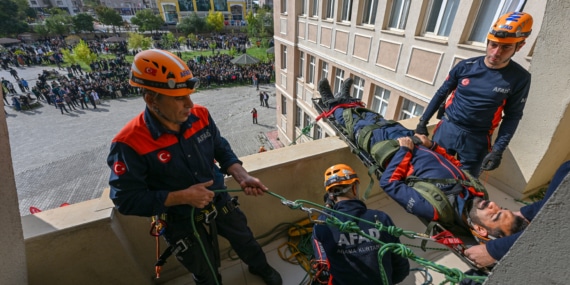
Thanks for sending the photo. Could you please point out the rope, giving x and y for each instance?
(452, 275)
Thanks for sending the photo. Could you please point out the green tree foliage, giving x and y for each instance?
(12, 18)
(215, 21)
(192, 24)
(167, 41)
(109, 16)
(80, 53)
(147, 20)
(138, 41)
(59, 24)
(83, 22)
(253, 26)
(260, 24)
(41, 30)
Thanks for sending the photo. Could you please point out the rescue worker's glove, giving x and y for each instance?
(492, 160)
(421, 128)
(329, 202)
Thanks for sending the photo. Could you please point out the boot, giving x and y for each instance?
(345, 88)
(324, 89)
(269, 275)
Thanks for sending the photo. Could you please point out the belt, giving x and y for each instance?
(209, 213)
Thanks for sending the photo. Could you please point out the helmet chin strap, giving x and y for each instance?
(160, 114)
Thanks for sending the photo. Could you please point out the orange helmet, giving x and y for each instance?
(339, 174)
(162, 72)
(511, 28)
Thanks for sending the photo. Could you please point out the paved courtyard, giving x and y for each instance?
(62, 158)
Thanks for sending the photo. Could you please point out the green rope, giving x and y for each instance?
(304, 132)
(452, 275)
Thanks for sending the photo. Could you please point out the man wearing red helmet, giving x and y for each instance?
(163, 165)
(353, 259)
(483, 92)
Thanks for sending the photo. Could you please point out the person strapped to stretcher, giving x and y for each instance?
(414, 171)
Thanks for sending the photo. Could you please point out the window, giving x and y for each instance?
(339, 78)
(346, 10)
(33, 2)
(318, 133)
(369, 12)
(301, 63)
(329, 13)
(399, 14)
(283, 57)
(307, 120)
(358, 85)
(441, 16)
(303, 7)
(489, 12)
(283, 105)
(311, 74)
(315, 7)
(298, 117)
(283, 6)
(410, 110)
(324, 70)
(380, 101)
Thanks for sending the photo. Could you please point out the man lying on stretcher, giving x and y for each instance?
(412, 170)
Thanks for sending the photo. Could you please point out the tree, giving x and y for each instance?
(147, 21)
(192, 24)
(83, 22)
(11, 22)
(41, 30)
(59, 24)
(215, 21)
(81, 53)
(253, 26)
(167, 40)
(138, 41)
(109, 16)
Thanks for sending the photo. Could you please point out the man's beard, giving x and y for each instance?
(519, 224)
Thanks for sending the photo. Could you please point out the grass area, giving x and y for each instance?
(259, 53)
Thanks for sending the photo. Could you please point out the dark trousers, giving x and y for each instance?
(232, 226)
(470, 148)
(62, 108)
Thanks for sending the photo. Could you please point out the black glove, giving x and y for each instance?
(421, 128)
(491, 160)
(329, 202)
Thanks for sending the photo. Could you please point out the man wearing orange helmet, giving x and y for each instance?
(163, 165)
(353, 259)
(484, 90)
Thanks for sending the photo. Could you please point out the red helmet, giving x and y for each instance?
(162, 72)
(339, 174)
(511, 28)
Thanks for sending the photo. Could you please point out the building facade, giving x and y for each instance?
(397, 51)
(174, 10)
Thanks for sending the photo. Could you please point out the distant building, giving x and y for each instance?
(174, 10)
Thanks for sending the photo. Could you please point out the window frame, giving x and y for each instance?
(441, 13)
(324, 69)
(283, 57)
(358, 87)
(346, 15)
(412, 112)
(283, 105)
(329, 12)
(315, 10)
(379, 99)
(301, 64)
(369, 14)
(339, 79)
(404, 11)
(283, 6)
(484, 26)
(311, 73)
(298, 116)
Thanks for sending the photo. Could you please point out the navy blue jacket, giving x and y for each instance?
(481, 97)
(353, 258)
(148, 161)
(420, 162)
(499, 247)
